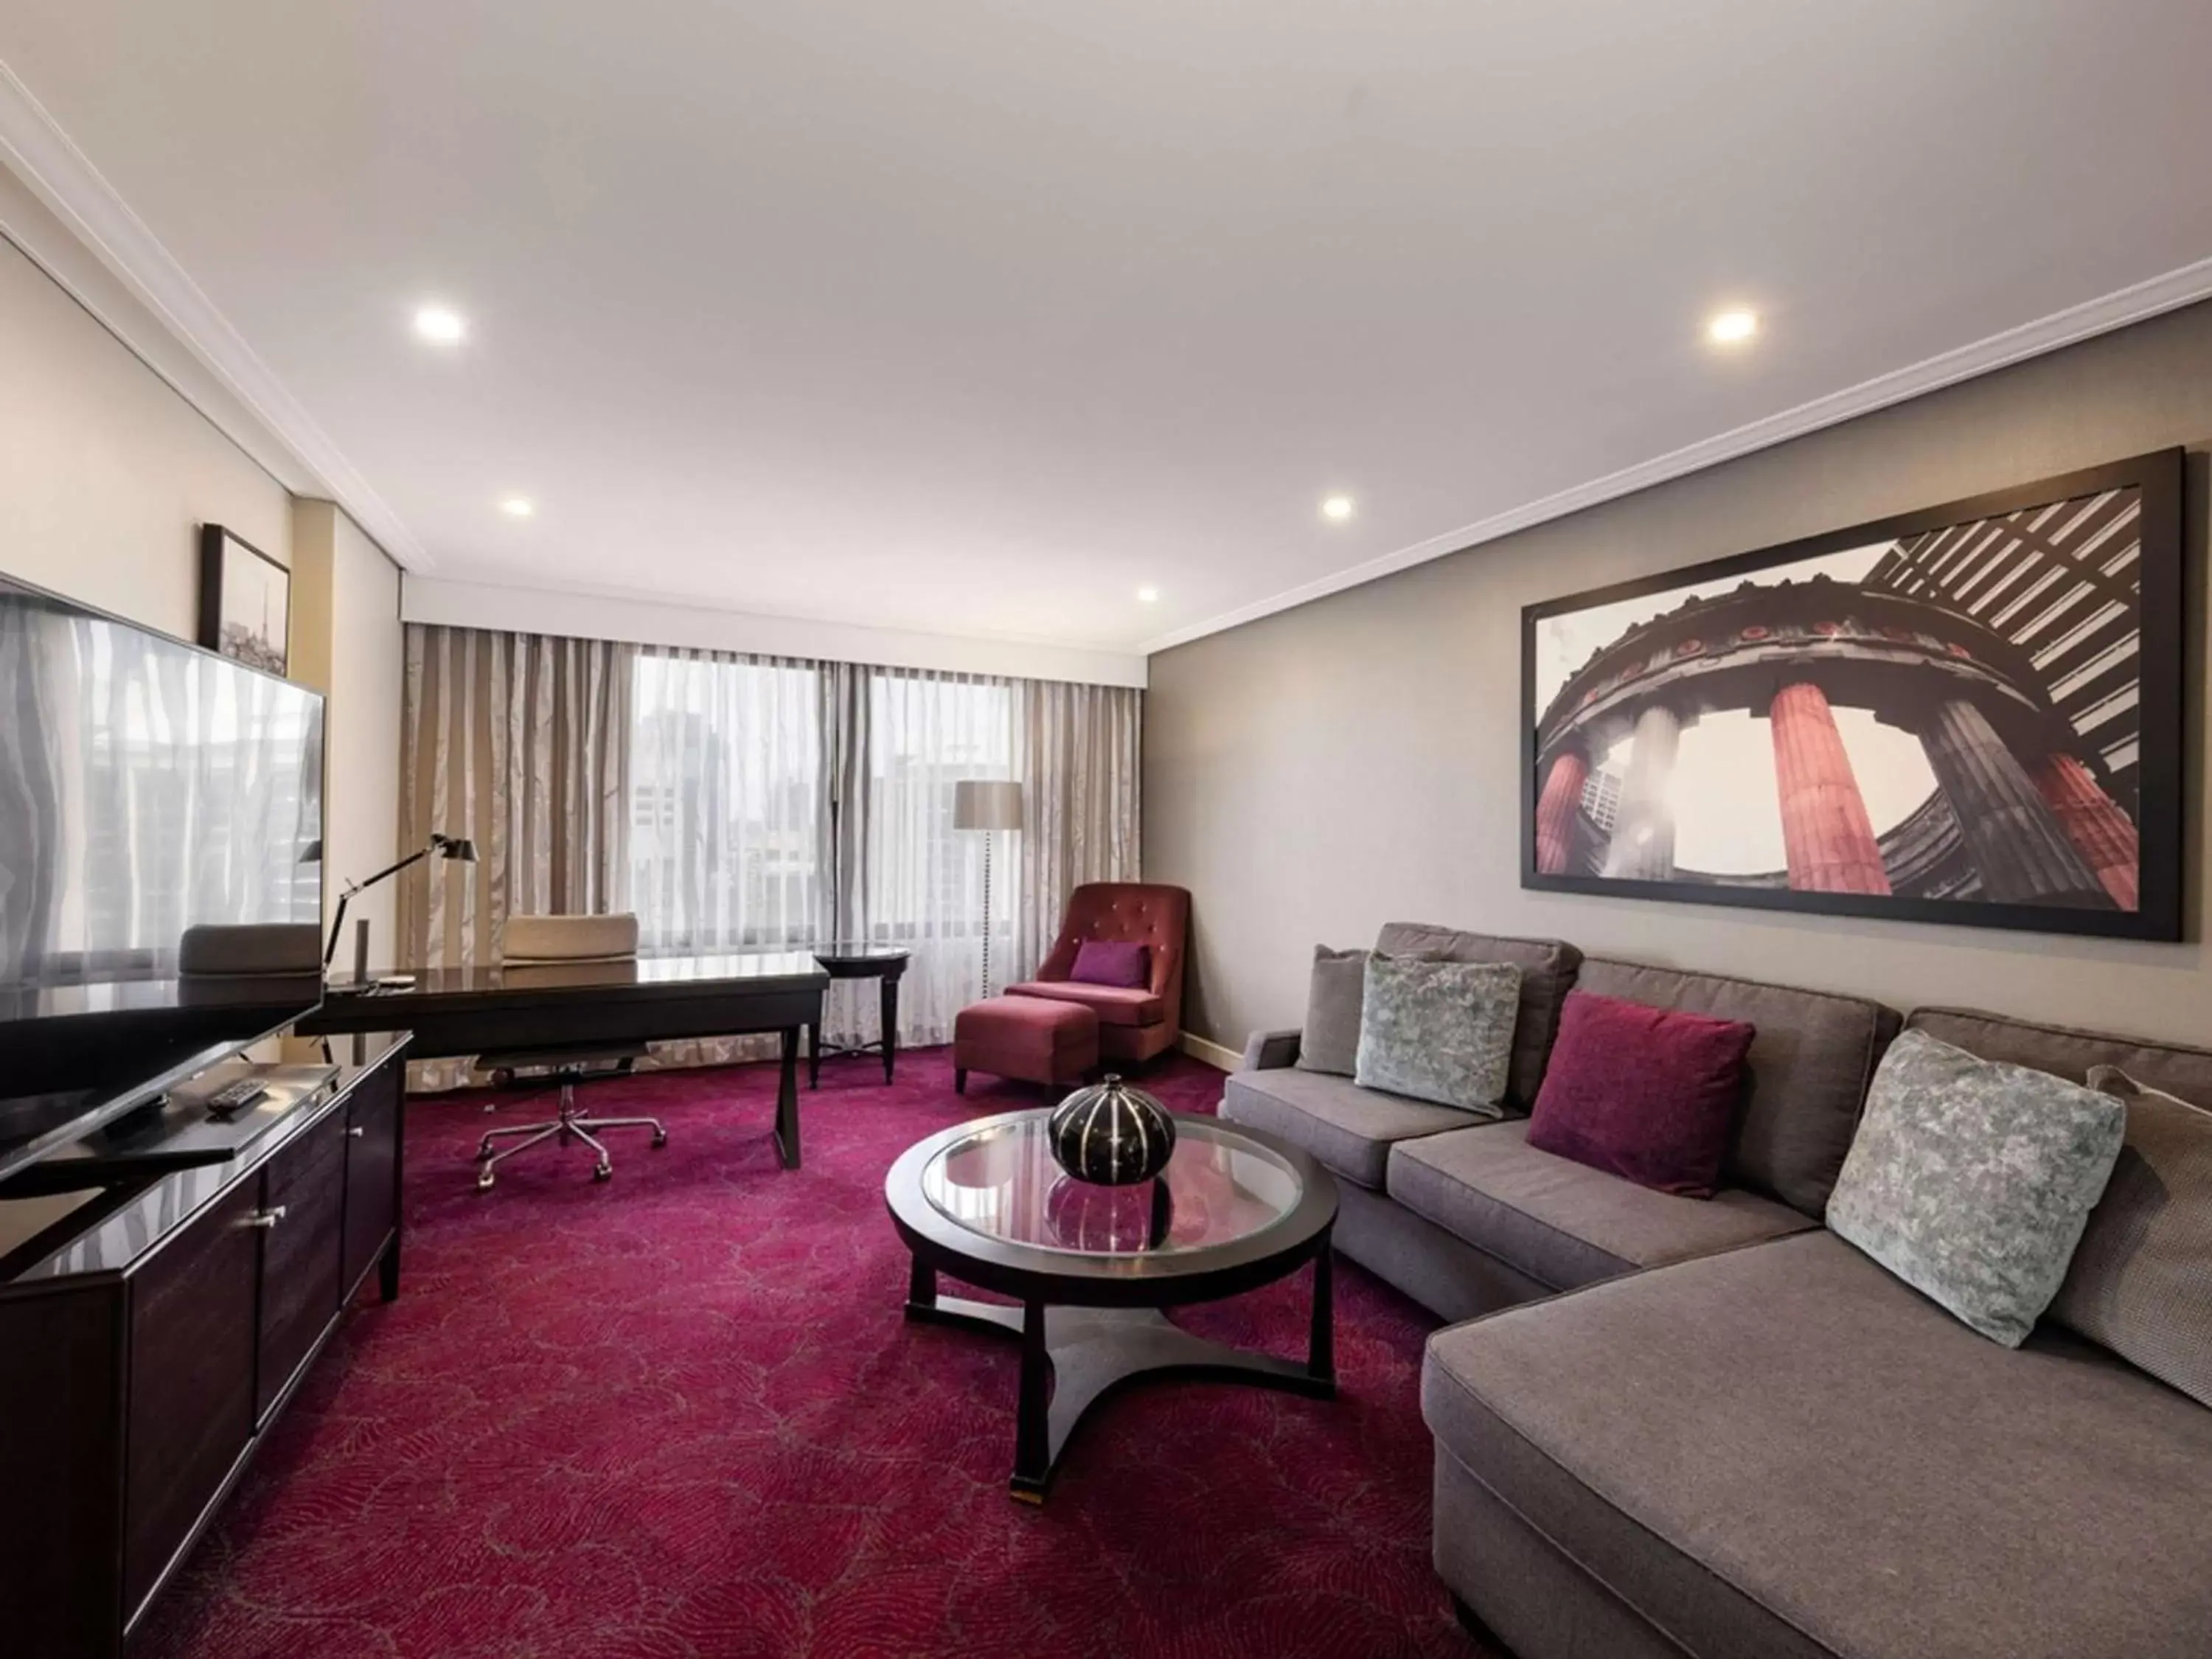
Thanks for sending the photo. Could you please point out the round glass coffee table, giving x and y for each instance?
(1094, 1268)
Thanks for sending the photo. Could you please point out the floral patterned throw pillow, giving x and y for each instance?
(1441, 1031)
(1971, 1180)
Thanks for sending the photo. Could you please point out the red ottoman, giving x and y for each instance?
(1027, 1037)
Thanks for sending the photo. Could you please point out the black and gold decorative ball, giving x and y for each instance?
(1112, 1134)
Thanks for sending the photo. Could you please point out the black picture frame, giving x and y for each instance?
(2158, 767)
(223, 554)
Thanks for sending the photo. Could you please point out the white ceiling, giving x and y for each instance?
(974, 316)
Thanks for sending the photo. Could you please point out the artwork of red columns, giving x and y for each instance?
(1825, 828)
(1555, 810)
(2103, 834)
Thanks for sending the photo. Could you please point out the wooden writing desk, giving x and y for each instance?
(472, 1011)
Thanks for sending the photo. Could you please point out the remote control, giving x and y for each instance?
(234, 1098)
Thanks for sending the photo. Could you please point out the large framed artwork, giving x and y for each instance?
(246, 601)
(1968, 714)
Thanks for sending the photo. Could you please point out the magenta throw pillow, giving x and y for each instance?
(1112, 962)
(1643, 1093)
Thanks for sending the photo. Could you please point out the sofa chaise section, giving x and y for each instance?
(1782, 1451)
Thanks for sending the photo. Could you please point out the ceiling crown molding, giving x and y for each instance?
(2112, 311)
(63, 181)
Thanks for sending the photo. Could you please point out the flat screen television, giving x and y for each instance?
(161, 865)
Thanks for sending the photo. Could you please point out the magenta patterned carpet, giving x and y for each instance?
(678, 1416)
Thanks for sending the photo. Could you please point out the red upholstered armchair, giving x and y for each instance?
(1135, 1022)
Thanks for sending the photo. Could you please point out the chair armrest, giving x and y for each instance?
(1270, 1051)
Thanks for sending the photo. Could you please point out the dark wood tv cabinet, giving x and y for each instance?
(151, 1332)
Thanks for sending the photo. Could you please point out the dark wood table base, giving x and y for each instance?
(786, 1102)
(1072, 1357)
(885, 966)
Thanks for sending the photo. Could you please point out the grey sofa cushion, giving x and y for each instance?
(1562, 1223)
(1330, 1040)
(1810, 1063)
(1349, 1128)
(2068, 1053)
(2140, 1281)
(1783, 1444)
(1970, 1180)
(1440, 1031)
(1547, 973)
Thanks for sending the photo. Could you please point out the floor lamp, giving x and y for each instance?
(989, 804)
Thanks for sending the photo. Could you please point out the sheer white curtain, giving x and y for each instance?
(783, 804)
(922, 880)
(1074, 748)
(728, 848)
(728, 826)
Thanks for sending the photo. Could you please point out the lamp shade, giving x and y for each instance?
(986, 803)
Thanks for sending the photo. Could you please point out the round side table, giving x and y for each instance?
(882, 964)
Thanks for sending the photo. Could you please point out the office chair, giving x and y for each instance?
(555, 949)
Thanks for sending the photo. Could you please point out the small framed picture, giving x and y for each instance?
(246, 601)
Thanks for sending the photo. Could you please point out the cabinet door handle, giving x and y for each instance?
(354, 1131)
(266, 1218)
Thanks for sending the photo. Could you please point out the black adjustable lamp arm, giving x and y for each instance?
(438, 844)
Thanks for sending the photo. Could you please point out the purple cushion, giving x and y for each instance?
(1643, 1093)
(1112, 962)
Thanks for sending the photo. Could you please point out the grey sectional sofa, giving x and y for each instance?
(1667, 1427)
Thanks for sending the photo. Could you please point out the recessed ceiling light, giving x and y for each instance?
(1337, 508)
(519, 507)
(439, 324)
(1148, 595)
(1732, 327)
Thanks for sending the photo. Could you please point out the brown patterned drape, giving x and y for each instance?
(521, 742)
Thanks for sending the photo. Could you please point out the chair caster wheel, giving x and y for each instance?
(660, 1137)
(501, 1078)
(484, 1182)
(603, 1172)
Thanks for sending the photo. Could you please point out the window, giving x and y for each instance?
(925, 735)
(727, 847)
(732, 845)
(923, 880)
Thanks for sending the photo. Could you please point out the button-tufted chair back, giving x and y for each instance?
(1131, 912)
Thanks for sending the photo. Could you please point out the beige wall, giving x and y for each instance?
(106, 475)
(347, 643)
(1313, 775)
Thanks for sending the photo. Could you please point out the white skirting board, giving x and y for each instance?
(1212, 1053)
